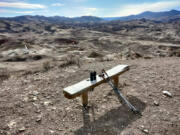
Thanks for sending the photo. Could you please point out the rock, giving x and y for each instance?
(167, 93)
(12, 124)
(22, 129)
(38, 111)
(142, 126)
(156, 103)
(39, 118)
(51, 131)
(25, 99)
(34, 98)
(47, 103)
(67, 108)
(35, 93)
(53, 108)
(25, 81)
(145, 131)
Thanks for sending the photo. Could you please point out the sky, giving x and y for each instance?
(75, 8)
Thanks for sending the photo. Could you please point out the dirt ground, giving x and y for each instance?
(32, 103)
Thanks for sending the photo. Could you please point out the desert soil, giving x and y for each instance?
(32, 103)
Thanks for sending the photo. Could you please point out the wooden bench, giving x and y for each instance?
(82, 88)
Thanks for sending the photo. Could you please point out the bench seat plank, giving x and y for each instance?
(86, 84)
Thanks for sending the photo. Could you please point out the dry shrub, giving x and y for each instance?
(15, 59)
(4, 74)
(95, 55)
(109, 57)
(71, 60)
(66, 41)
(46, 66)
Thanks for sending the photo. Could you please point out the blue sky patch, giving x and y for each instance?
(74, 8)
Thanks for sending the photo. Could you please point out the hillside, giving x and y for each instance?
(39, 56)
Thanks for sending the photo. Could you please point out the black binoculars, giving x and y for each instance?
(93, 75)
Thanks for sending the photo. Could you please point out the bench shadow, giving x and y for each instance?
(113, 122)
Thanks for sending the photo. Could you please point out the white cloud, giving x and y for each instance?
(4, 11)
(21, 5)
(78, 11)
(78, 0)
(16, 12)
(57, 4)
(9, 0)
(82, 11)
(89, 11)
(23, 12)
(139, 8)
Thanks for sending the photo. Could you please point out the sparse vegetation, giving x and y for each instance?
(4, 74)
(70, 60)
(59, 54)
(46, 66)
(95, 55)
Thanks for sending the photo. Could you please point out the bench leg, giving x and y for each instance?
(116, 80)
(85, 98)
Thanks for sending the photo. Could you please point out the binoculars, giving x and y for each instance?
(93, 75)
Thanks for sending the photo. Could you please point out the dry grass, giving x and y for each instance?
(71, 60)
(46, 66)
(4, 74)
(95, 55)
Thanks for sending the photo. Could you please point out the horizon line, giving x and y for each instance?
(91, 15)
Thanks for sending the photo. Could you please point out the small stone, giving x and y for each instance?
(167, 93)
(48, 97)
(35, 93)
(46, 103)
(22, 129)
(145, 131)
(34, 98)
(156, 103)
(12, 124)
(39, 118)
(38, 111)
(51, 131)
(142, 126)
(53, 108)
(67, 108)
(25, 81)
(25, 99)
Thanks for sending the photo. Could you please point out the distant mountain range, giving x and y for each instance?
(54, 19)
(158, 16)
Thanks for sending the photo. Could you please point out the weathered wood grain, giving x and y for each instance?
(80, 87)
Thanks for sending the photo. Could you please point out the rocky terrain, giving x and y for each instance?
(38, 58)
